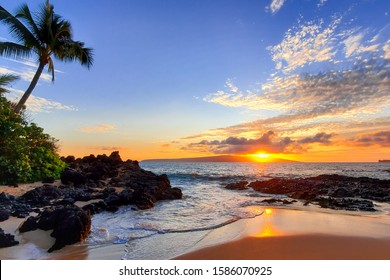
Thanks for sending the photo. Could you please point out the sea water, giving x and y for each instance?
(172, 227)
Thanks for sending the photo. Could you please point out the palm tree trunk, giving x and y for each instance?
(31, 87)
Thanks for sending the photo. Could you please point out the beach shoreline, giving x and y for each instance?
(277, 234)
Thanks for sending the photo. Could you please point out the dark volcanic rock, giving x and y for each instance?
(70, 224)
(238, 186)
(7, 240)
(41, 196)
(28, 225)
(70, 175)
(346, 204)
(108, 179)
(330, 191)
(4, 215)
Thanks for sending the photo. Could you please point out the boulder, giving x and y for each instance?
(7, 240)
(42, 195)
(70, 224)
(4, 215)
(69, 175)
(242, 185)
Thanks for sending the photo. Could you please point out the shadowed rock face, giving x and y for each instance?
(7, 240)
(108, 179)
(330, 191)
(70, 225)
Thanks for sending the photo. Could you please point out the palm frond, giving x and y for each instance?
(14, 50)
(24, 13)
(5, 80)
(44, 19)
(75, 51)
(16, 27)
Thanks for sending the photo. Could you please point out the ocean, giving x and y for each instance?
(173, 227)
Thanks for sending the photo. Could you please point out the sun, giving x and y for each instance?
(261, 157)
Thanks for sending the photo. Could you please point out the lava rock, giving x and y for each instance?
(4, 215)
(70, 224)
(69, 175)
(7, 240)
(42, 195)
(242, 185)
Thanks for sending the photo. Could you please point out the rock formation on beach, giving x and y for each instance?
(106, 181)
(328, 191)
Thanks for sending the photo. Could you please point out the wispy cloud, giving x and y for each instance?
(306, 43)
(25, 74)
(37, 104)
(321, 3)
(386, 50)
(100, 128)
(365, 87)
(355, 46)
(275, 5)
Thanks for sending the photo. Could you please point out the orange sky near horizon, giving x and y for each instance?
(143, 152)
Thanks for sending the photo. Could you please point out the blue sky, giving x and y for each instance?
(185, 78)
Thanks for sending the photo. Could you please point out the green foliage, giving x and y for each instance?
(27, 154)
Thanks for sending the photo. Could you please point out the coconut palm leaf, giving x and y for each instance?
(17, 29)
(14, 50)
(5, 80)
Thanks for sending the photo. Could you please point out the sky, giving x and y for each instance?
(307, 80)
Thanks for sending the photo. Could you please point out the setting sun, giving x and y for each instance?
(261, 157)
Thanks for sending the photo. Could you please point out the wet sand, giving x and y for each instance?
(282, 234)
(296, 247)
(279, 234)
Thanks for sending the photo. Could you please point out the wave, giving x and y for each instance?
(208, 177)
(173, 231)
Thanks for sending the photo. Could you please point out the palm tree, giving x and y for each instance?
(44, 34)
(5, 80)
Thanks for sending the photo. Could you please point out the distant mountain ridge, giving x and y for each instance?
(224, 158)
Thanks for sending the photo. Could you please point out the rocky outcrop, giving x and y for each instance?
(7, 240)
(242, 185)
(330, 191)
(107, 181)
(70, 224)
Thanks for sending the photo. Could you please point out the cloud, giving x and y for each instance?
(26, 74)
(37, 104)
(275, 5)
(322, 137)
(306, 43)
(321, 3)
(380, 138)
(100, 128)
(354, 45)
(386, 50)
(362, 89)
(268, 142)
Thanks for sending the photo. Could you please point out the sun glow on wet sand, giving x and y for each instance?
(267, 228)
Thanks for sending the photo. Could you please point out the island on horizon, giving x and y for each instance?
(224, 158)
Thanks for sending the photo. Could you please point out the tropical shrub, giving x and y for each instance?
(27, 154)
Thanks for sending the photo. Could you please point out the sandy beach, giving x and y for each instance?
(282, 234)
(277, 234)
